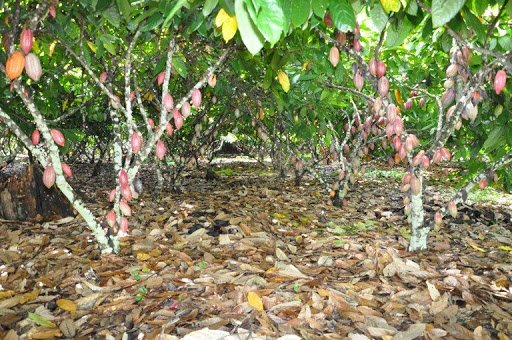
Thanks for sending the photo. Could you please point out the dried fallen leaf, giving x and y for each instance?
(67, 305)
(68, 328)
(255, 301)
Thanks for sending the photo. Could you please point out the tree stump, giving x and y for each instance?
(23, 195)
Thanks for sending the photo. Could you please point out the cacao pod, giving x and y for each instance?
(396, 142)
(328, 19)
(160, 78)
(49, 176)
(169, 129)
(196, 98)
(425, 162)
(445, 154)
(126, 192)
(136, 142)
(391, 161)
(451, 71)
(33, 66)
(438, 218)
(422, 102)
(334, 56)
(26, 40)
(58, 137)
(132, 95)
(112, 195)
(66, 170)
(407, 178)
(372, 67)
(52, 11)
(381, 69)
(160, 150)
(178, 119)
(391, 113)
(103, 77)
(185, 109)
(123, 177)
(125, 208)
(341, 37)
(357, 45)
(36, 137)
(466, 54)
(448, 97)
(482, 184)
(452, 209)
(151, 123)
(437, 157)
(111, 218)
(168, 102)
(398, 126)
(124, 224)
(358, 81)
(383, 86)
(212, 80)
(500, 81)
(390, 129)
(415, 185)
(14, 65)
(137, 185)
(402, 152)
(449, 83)
(408, 104)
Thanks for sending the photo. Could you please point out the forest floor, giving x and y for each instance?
(252, 255)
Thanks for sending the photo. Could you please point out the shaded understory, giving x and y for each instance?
(321, 271)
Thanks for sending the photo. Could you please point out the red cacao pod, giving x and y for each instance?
(103, 76)
(452, 209)
(334, 56)
(407, 178)
(58, 137)
(408, 104)
(422, 102)
(341, 37)
(160, 78)
(328, 19)
(126, 192)
(111, 218)
(391, 113)
(357, 45)
(66, 170)
(372, 67)
(196, 98)
(14, 65)
(52, 11)
(438, 218)
(49, 176)
(415, 185)
(381, 69)
(132, 95)
(160, 150)
(151, 123)
(185, 109)
(445, 154)
(33, 66)
(36, 137)
(402, 152)
(169, 129)
(168, 102)
(500, 81)
(136, 142)
(449, 83)
(26, 40)
(124, 224)
(112, 195)
(357, 31)
(396, 142)
(123, 177)
(482, 184)
(425, 162)
(212, 80)
(448, 97)
(383, 86)
(125, 208)
(358, 81)
(178, 119)
(398, 126)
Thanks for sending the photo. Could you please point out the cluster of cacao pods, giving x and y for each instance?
(18, 60)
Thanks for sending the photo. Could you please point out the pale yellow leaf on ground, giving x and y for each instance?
(255, 301)
(67, 305)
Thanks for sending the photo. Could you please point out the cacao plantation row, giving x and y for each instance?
(324, 90)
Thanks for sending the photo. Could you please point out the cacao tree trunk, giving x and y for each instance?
(419, 231)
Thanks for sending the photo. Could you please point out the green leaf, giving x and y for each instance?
(300, 12)
(154, 21)
(397, 33)
(479, 6)
(209, 6)
(112, 16)
(342, 15)
(268, 15)
(379, 17)
(124, 9)
(319, 7)
(472, 21)
(176, 8)
(412, 8)
(251, 37)
(180, 66)
(495, 138)
(444, 10)
(38, 319)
